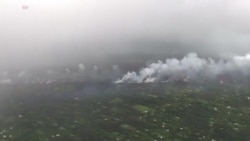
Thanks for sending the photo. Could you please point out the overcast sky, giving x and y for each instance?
(64, 32)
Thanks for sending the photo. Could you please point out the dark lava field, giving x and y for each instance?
(125, 112)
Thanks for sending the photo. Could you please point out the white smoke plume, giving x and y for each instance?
(6, 81)
(81, 67)
(21, 74)
(190, 68)
(67, 70)
(95, 68)
(79, 73)
(5, 73)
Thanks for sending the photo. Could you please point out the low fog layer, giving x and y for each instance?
(59, 35)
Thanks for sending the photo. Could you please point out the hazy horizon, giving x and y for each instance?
(128, 34)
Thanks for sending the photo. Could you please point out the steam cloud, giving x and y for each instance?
(191, 68)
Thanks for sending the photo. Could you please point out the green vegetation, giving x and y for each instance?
(142, 109)
(128, 112)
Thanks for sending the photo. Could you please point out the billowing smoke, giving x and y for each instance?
(191, 68)
(77, 73)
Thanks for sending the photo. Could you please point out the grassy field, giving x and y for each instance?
(125, 112)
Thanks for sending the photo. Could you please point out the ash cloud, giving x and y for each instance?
(191, 68)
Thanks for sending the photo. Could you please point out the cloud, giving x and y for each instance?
(64, 33)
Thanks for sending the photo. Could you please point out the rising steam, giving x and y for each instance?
(190, 68)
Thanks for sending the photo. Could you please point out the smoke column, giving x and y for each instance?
(190, 68)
